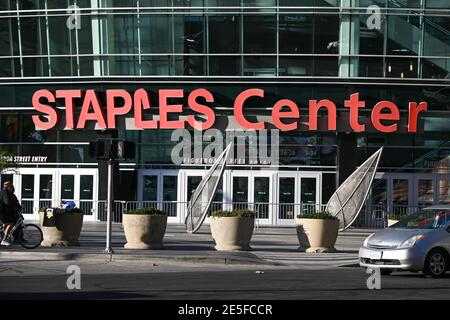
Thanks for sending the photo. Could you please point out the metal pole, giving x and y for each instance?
(109, 208)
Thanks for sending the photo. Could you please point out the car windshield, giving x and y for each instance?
(424, 219)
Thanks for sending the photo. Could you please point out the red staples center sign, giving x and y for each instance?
(285, 115)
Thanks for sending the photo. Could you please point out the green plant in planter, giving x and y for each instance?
(146, 211)
(396, 216)
(317, 215)
(234, 213)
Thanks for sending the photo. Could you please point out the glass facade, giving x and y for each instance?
(393, 50)
(208, 38)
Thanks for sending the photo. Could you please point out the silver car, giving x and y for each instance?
(418, 242)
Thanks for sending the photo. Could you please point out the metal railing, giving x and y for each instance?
(371, 216)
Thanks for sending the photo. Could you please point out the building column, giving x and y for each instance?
(346, 161)
(348, 40)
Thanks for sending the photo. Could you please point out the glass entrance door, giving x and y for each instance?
(400, 196)
(240, 193)
(308, 194)
(261, 199)
(159, 189)
(150, 188)
(86, 192)
(46, 192)
(444, 190)
(169, 195)
(286, 198)
(425, 190)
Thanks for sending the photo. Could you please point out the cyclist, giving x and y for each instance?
(9, 210)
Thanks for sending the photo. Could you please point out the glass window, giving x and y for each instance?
(189, 33)
(122, 65)
(85, 40)
(10, 127)
(437, 36)
(296, 34)
(304, 66)
(9, 37)
(193, 182)
(261, 196)
(437, 4)
(400, 197)
(326, 33)
(45, 186)
(260, 66)
(371, 67)
(308, 190)
(259, 3)
(33, 36)
(86, 187)
(435, 68)
(240, 189)
(63, 66)
(379, 192)
(87, 65)
(300, 3)
(155, 65)
(224, 3)
(326, 66)
(405, 4)
(27, 186)
(190, 65)
(61, 39)
(224, 66)
(286, 198)
(401, 67)
(444, 191)
(425, 192)
(403, 34)
(67, 187)
(224, 35)
(35, 67)
(155, 33)
(150, 188)
(170, 195)
(260, 34)
(170, 188)
(10, 68)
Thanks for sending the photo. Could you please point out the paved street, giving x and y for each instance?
(140, 280)
(189, 268)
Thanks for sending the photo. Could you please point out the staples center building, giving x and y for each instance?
(327, 82)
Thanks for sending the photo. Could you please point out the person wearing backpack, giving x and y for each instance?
(9, 210)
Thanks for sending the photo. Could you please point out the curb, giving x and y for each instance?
(48, 256)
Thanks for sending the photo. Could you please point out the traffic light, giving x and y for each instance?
(123, 150)
(97, 149)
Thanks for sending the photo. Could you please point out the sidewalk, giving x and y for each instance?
(271, 247)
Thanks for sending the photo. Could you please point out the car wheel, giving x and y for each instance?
(386, 272)
(436, 263)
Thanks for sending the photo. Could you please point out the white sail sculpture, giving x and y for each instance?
(348, 200)
(203, 196)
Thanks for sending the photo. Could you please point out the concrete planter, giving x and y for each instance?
(317, 235)
(392, 222)
(64, 230)
(144, 231)
(232, 233)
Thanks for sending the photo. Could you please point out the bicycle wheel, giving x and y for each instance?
(31, 236)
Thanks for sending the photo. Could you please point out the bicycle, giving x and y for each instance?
(29, 235)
